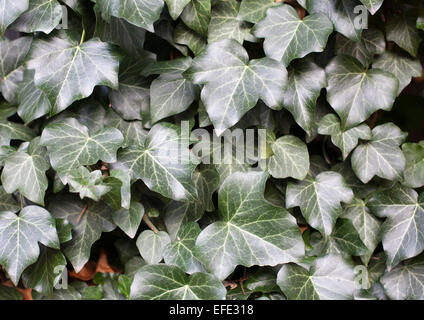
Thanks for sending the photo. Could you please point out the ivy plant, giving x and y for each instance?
(211, 149)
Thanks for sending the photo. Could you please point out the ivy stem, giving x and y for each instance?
(82, 37)
(22, 200)
(149, 223)
(324, 151)
(82, 213)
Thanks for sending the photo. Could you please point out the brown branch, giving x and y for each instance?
(149, 223)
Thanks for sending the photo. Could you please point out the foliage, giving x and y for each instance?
(110, 114)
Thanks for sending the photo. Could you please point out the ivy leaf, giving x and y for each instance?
(372, 5)
(133, 131)
(340, 12)
(243, 237)
(128, 220)
(402, 30)
(142, 13)
(88, 221)
(225, 23)
(372, 43)
(12, 55)
(402, 66)
(206, 181)
(71, 145)
(33, 102)
(42, 15)
(20, 236)
(11, 9)
(224, 68)
(329, 278)
(163, 282)
(191, 39)
(319, 199)
(87, 184)
(290, 158)
(9, 293)
(152, 245)
(402, 233)
(46, 272)
(282, 29)
(367, 226)
(14, 131)
(197, 15)
(171, 93)
(406, 281)
(305, 81)
(351, 90)
(8, 202)
(345, 140)
(68, 71)
(255, 10)
(380, 156)
(132, 100)
(120, 194)
(25, 170)
(156, 162)
(181, 253)
(176, 7)
(413, 175)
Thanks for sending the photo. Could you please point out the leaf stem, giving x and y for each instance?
(82, 37)
(82, 213)
(22, 200)
(149, 223)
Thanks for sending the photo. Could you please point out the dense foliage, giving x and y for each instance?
(105, 193)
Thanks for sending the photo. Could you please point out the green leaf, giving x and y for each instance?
(345, 140)
(129, 220)
(42, 15)
(319, 199)
(329, 278)
(225, 23)
(381, 156)
(191, 39)
(120, 194)
(255, 10)
(290, 158)
(152, 245)
(176, 7)
(242, 237)
(372, 43)
(142, 13)
(181, 253)
(305, 81)
(372, 5)
(132, 100)
(11, 10)
(402, 66)
(20, 236)
(352, 89)
(366, 224)
(163, 282)
(9, 293)
(12, 55)
(406, 281)
(71, 145)
(68, 71)
(25, 171)
(402, 233)
(171, 93)
(33, 102)
(87, 184)
(206, 180)
(413, 175)
(8, 202)
(14, 131)
(197, 15)
(287, 37)
(46, 272)
(340, 12)
(224, 68)
(88, 221)
(162, 162)
(402, 30)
